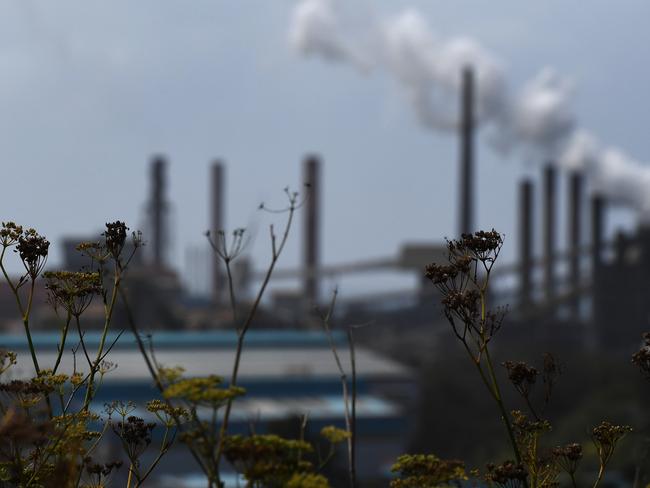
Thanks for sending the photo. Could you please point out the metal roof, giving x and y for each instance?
(256, 363)
(180, 339)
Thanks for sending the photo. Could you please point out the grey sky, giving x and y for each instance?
(90, 90)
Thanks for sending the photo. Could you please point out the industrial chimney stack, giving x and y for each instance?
(576, 183)
(217, 224)
(466, 218)
(158, 209)
(549, 205)
(311, 228)
(597, 232)
(525, 241)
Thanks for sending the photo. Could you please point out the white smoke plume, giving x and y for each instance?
(428, 70)
(541, 118)
(537, 122)
(316, 29)
(612, 173)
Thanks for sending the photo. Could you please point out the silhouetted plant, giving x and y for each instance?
(50, 433)
(463, 283)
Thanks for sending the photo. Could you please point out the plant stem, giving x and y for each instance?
(502, 408)
(353, 419)
(155, 376)
(241, 332)
(601, 471)
(32, 350)
(108, 310)
(495, 384)
(64, 335)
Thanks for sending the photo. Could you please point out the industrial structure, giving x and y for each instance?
(287, 374)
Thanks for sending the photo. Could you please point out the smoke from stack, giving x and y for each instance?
(537, 122)
(613, 174)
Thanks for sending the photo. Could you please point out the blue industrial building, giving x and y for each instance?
(286, 373)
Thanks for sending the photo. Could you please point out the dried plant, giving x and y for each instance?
(463, 283)
(51, 432)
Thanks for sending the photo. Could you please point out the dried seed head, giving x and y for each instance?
(33, 249)
(508, 474)
(521, 375)
(568, 457)
(72, 290)
(115, 236)
(10, 233)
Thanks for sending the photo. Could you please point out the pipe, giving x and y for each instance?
(466, 220)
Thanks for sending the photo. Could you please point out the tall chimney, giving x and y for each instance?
(466, 206)
(597, 232)
(311, 228)
(217, 224)
(574, 236)
(158, 209)
(550, 205)
(525, 241)
(597, 285)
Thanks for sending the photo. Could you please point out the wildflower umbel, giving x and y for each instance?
(522, 376)
(10, 233)
(98, 472)
(115, 236)
(605, 437)
(267, 460)
(426, 471)
(135, 435)
(334, 434)
(33, 248)
(73, 291)
(203, 391)
(507, 475)
(568, 457)
(463, 282)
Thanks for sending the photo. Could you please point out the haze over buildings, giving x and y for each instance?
(102, 88)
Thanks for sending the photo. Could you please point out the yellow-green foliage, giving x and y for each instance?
(268, 460)
(308, 480)
(203, 391)
(334, 434)
(426, 471)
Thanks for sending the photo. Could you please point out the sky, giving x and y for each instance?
(90, 91)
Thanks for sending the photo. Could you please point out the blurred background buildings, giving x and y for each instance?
(576, 284)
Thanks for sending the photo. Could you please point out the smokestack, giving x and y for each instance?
(466, 223)
(575, 236)
(549, 230)
(525, 241)
(158, 209)
(217, 224)
(311, 228)
(597, 232)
